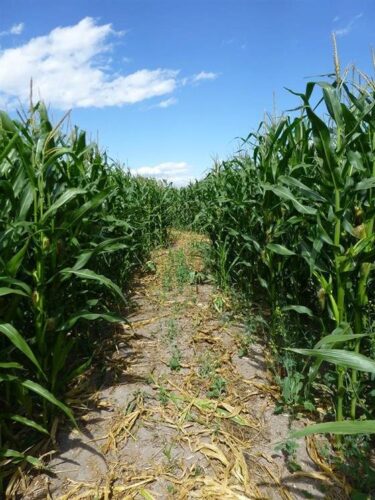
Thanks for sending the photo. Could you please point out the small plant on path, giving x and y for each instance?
(217, 388)
(175, 360)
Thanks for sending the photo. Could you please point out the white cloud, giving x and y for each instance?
(16, 29)
(199, 77)
(71, 67)
(167, 102)
(68, 71)
(177, 172)
(348, 28)
(335, 19)
(204, 75)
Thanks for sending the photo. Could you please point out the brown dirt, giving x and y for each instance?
(152, 432)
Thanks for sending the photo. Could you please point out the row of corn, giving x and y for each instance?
(73, 227)
(291, 220)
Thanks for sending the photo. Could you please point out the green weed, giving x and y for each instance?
(175, 360)
(217, 388)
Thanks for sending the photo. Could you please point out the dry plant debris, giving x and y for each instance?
(205, 430)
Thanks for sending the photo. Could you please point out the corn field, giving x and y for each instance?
(291, 220)
(73, 227)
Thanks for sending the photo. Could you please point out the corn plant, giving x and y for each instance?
(72, 229)
(293, 214)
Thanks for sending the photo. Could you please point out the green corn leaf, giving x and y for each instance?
(365, 244)
(347, 427)
(26, 202)
(11, 365)
(87, 274)
(48, 396)
(8, 378)
(11, 291)
(339, 339)
(52, 155)
(13, 265)
(89, 316)
(279, 249)
(79, 370)
(355, 160)
(20, 457)
(12, 281)
(365, 184)
(322, 136)
(299, 310)
(28, 423)
(65, 198)
(333, 103)
(340, 357)
(90, 205)
(8, 148)
(110, 245)
(7, 123)
(284, 193)
(308, 192)
(18, 341)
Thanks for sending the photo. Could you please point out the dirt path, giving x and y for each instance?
(178, 414)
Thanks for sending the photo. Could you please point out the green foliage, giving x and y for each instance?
(172, 330)
(73, 227)
(175, 360)
(289, 449)
(291, 221)
(177, 273)
(355, 463)
(291, 385)
(207, 365)
(164, 395)
(255, 325)
(217, 388)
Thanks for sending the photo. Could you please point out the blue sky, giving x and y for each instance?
(168, 85)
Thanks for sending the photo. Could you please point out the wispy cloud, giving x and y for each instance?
(204, 75)
(16, 29)
(179, 173)
(166, 103)
(199, 78)
(345, 30)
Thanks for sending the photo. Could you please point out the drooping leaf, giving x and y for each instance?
(89, 316)
(279, 249)
(286, 194)
(28, 423)
(299, 310)
(44, 393)
(88, 274)
(18, 341)
(65, 198)
(21, 457)
(341, 357)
